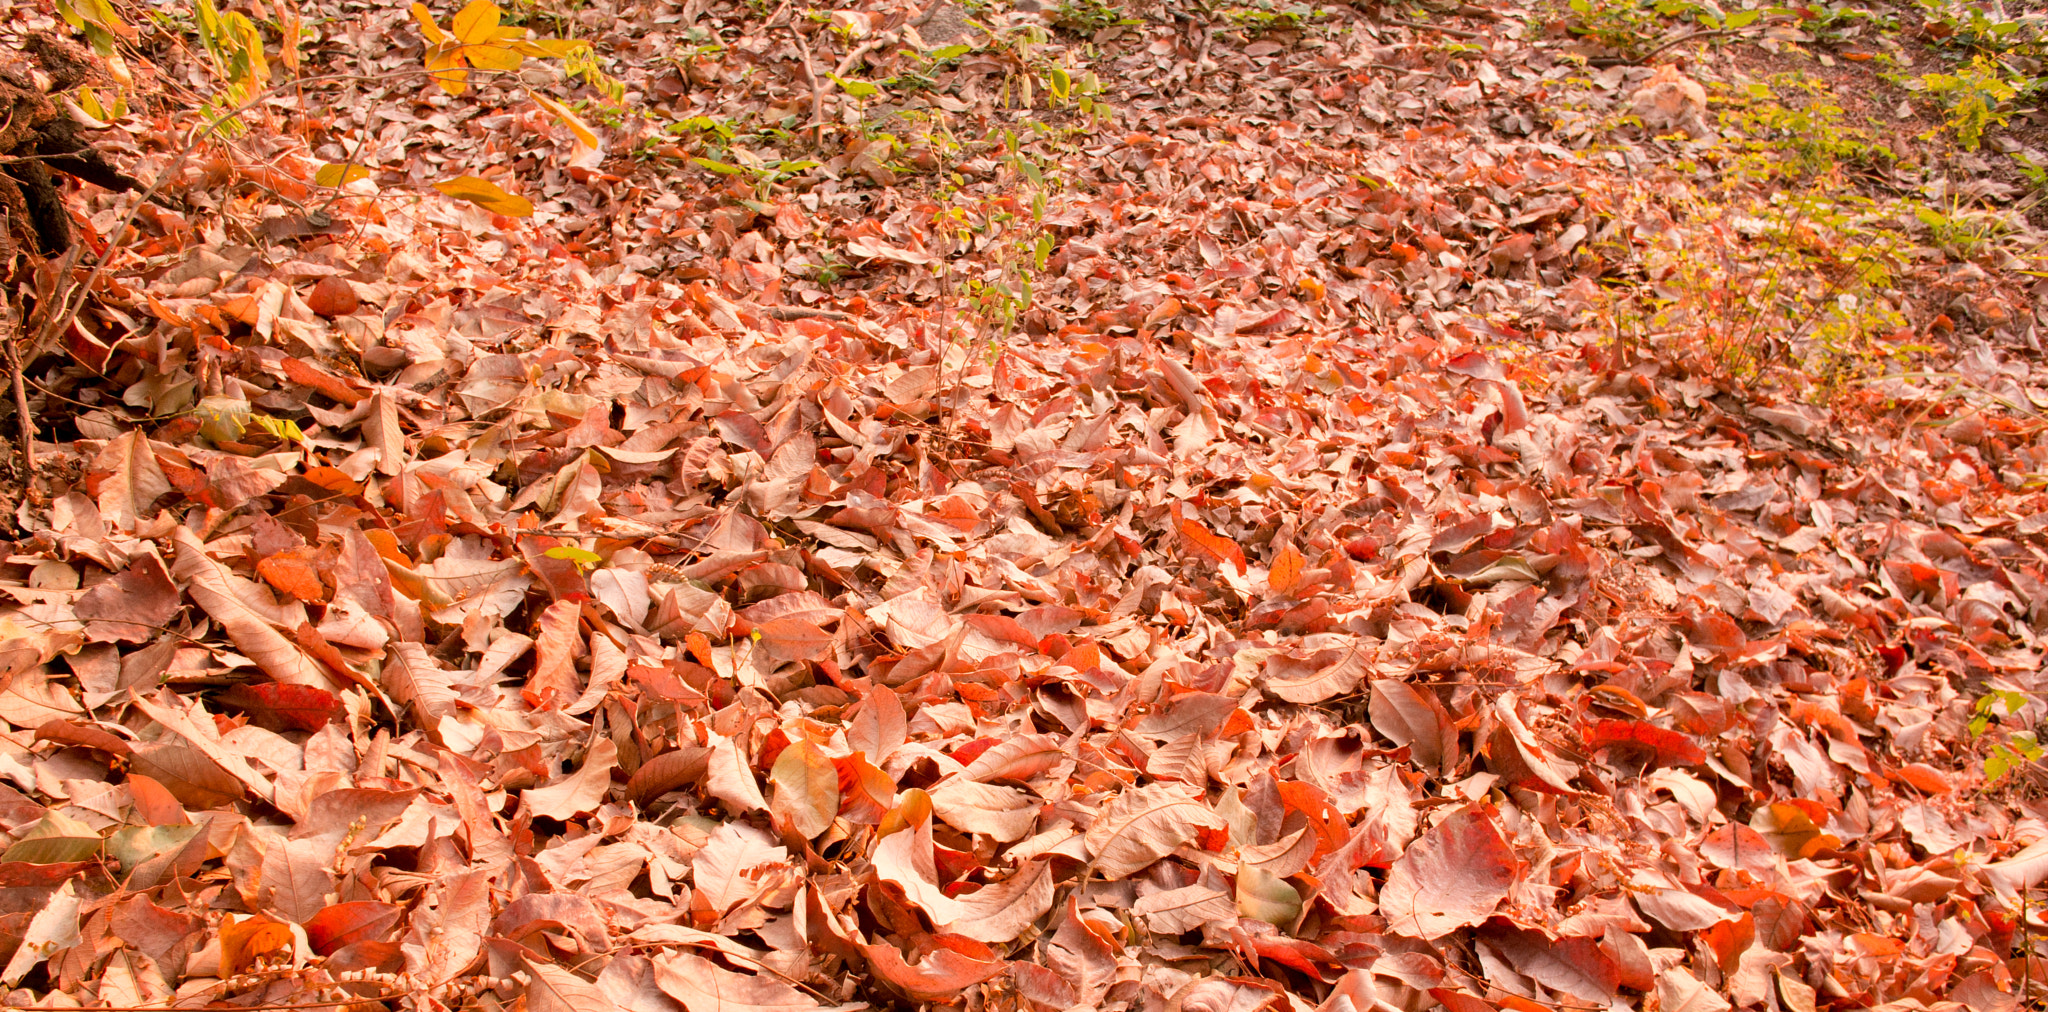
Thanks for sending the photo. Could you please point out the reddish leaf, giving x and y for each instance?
(282, 705)
(1207, 543)
(292, 573)
(793, 639)
(348, 923)
(1655, 745)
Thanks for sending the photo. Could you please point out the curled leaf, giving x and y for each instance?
(487, 195)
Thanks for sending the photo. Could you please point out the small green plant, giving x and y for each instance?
(764, 174)
(1086, 17)
(2018, 747)
(1838, 22)
(1795, 289)
(1265, 17)
(1633, 27)
(1085, 93)
(1794, 125)
(1977, 27)
(2034, 172)
(1976, 98)
(1628, 27)
(1960, 231)
(830, 269)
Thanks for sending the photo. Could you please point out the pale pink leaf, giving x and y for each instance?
(553, 989)
(222, 595)
(1143, 824)
(580, 792)
(134, 480)
(704, 986)
(730, 777)
(1454, 876)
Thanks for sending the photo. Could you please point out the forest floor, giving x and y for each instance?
(1031, 506)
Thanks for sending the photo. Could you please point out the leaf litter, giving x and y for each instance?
(1301, 603)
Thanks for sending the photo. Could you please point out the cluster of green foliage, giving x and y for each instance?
(1634, 28)
(1266, 17)
(1976, 97)
(2015, 747)
(1087, 17)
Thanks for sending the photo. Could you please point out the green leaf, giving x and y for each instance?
(331, 174)
(582, 557)
(854, 86)
(221, 418)
(55, 839)
(719, 167)
(1741, 19)
(944, 53)
(486, 194)
(136, 844)
(1267, 897)
(90, 101)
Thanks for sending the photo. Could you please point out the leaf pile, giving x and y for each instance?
(1304, 603)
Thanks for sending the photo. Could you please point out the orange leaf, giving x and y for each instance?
(1924, 778)
(1208, 543)
(865, 791)
(914, 807)
(939, 977)
(255, 938)
(1288, 565)
(283, 704)
(700, 648)
(291, 573)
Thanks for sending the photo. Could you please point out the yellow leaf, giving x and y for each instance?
(477, 22)
(584, 135)
(486, 194)
(493, 57)
(448, 71)
(339, 175)
(428, 28)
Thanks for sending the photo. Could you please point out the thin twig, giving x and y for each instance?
(1456, 33)
(28, 425)
(817, 124)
